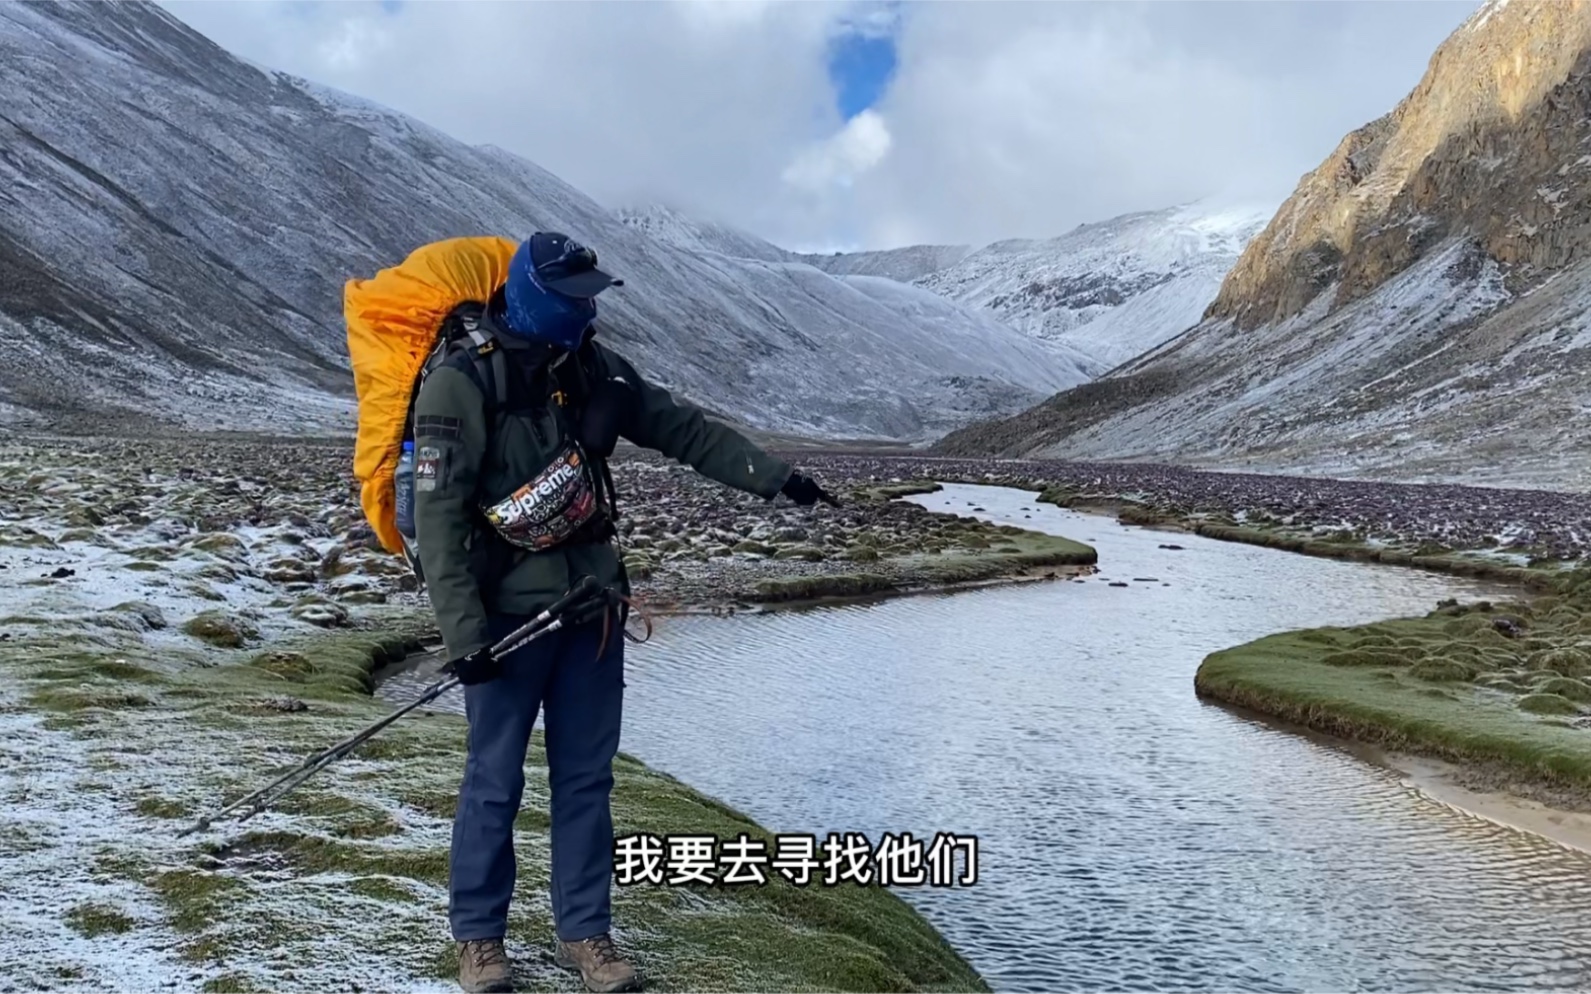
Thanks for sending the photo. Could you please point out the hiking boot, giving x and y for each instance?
(602, 968)
(484, 967)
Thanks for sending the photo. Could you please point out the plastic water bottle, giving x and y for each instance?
(403, 482)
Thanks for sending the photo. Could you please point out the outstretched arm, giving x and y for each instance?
(682, 432)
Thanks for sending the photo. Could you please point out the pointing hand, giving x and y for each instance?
(805, 491)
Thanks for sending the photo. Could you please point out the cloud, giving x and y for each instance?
(358, 40)
(837, 161)
(1002, 119)
(1020, 119)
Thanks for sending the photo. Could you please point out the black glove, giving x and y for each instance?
(477, 667)
(804, 490)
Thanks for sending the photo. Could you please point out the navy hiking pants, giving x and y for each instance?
(582, 697)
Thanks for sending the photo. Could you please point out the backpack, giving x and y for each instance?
(403, 323)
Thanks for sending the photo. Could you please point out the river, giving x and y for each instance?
(1130, 836)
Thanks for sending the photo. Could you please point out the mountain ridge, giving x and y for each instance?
(1417, 309)
(183, 221)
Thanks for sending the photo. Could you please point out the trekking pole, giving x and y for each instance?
(548, 621)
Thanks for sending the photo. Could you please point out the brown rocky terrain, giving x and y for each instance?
(1417, 309)
(228, 538)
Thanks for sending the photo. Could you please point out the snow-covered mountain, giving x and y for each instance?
(907, 264)
(1419, 308)
(177, 224)
(1112, 289)
(1098, 295)
(694, 234)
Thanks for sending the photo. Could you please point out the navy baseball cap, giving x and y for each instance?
(564, 265)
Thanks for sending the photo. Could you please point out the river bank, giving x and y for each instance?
(1502, 690)
(177, 630)
(1132, 837)
(184, 509)
(1523, 537)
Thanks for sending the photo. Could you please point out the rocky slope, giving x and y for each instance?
(176, 226)
(1417, 309)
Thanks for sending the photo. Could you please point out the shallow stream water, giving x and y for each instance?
(1130, 836)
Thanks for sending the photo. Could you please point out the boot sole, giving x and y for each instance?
(563, 963)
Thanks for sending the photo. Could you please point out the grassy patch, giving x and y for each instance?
(893, 491)
(222, 630)
(353, 865)
(800, 588)
(1338, 546)
(92, 920)
(1448, 684)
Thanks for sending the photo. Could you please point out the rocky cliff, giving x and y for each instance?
(1417, 309)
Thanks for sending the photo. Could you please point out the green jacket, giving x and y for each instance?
(467, 466)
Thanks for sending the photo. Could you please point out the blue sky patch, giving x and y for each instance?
(862, 61)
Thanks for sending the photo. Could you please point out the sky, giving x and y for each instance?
(823, 125)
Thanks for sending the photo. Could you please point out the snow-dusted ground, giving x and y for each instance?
(120, 723)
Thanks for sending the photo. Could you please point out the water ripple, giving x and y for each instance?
(1131, 837)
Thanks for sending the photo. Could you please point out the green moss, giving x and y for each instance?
(384, 889)
(21, 536)
(1547, 704)
(283, 663)
(1294, 676)
(160, 807)
(1565, 661)
(277, 890)
(79, 699)
(120, 669)
(1364, 657)
(194, 899)
(1574, 690)
(1443, 671)
(800, 588)
(222, 630)
(92, 920)
(892, 491)
(1138, 515)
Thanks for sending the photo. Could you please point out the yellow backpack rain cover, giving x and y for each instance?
(393, 320)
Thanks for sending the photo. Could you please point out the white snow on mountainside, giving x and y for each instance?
(907, 264)
(1099, 295)
(1113, 289)
(177, 225)
(696, 235)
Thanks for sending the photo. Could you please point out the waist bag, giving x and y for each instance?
(550, 508)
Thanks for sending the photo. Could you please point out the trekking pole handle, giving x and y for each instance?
(587, 587)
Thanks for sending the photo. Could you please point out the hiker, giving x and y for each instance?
(512, 506)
